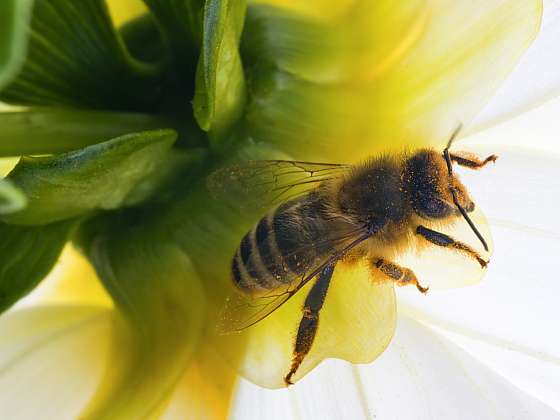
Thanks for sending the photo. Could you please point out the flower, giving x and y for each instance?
(124, 174)
(485, 351)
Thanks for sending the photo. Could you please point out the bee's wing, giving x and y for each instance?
(260, 184)
(243, 310)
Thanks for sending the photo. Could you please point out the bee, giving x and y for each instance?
(332, 213)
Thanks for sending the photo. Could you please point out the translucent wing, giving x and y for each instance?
(244, 310)
(261, 184)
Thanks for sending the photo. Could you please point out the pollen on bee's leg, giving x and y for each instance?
(410, 278)
(401, 275)
(305, 336)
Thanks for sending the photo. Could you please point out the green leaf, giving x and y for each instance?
(220, 92)
(97, 177)
(27, 254)
(76, 58)
(37, 131)
(11, 198)
(180, 21)
(14, 18)
(159, 295)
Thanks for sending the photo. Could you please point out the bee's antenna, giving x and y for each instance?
(449, 143)
(468, 219)
(455, 200)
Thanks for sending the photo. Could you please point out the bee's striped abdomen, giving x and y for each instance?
(282, 246)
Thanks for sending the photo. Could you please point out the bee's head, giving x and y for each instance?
(434, 191)
(429, 185)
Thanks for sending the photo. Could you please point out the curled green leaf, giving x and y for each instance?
(75, 57)
(27, 254)
(180, 21)
(96, 177)
(14, 19)
(220, 92)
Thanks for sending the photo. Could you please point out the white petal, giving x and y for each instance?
(536, 77)
(51, 359)
(510, 320)
(532, 372)
(536, 129)
(426, 377)
(420, 376)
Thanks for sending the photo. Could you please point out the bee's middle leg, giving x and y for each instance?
(446, 241)
(310, 320)
(401, 275)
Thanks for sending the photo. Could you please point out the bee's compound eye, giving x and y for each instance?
(432, 207)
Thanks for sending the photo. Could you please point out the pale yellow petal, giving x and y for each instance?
(356, 324)
(443, 268)
(72, 281)
(6, 165)
(357, 47)
(443, 78)
(206, 389)
(323, 9)
(51, 360)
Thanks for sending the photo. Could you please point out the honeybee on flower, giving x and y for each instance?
(124, 124)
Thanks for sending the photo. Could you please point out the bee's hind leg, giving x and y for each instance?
(401, 275)
(310, 320)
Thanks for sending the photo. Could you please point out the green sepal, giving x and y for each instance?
(159, 296)
(38, 131)
(11, 198)
(98, 177)
(175, 174)
(76, 58)
(14, 19)
(220, 92)
(27, 254)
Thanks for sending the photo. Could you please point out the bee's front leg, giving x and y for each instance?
(446, 241)
(401, 275)
(471, 161)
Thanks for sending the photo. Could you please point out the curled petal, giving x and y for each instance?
(206, 389)
(355, 48)
(447, 74)
(534, 80)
